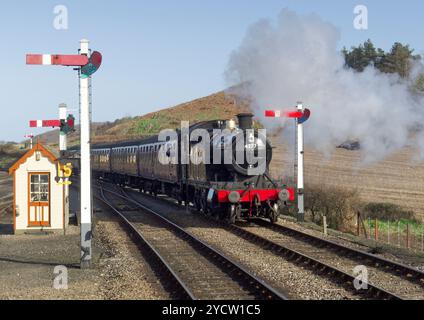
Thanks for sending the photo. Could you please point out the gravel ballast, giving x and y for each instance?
(28, 262)
(297, 282)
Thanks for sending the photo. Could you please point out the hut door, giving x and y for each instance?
(39, 199)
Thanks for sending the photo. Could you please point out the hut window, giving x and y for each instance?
(39, 188)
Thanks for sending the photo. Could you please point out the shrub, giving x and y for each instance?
(387, 211)
(339, 205)
(151, 125)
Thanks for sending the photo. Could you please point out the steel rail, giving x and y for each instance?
(184, 292)
(409, 273)
(254, 284)
(333, 273)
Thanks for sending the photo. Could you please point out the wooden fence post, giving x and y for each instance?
(324, 225)
(376, 230)
(408, 244)
(358, 223)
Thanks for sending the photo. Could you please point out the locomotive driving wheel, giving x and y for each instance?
(197, 204)
(204, 206)
(232, 213)
(273, 213)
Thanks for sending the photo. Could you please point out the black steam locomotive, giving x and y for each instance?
(214, 179)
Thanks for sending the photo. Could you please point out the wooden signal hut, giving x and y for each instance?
(39, 201)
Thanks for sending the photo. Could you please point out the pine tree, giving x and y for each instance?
(398, 60)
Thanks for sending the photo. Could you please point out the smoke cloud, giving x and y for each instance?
(297, 59)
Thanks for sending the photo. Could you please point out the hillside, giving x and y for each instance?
(395, 180)
(215, 106)
(9, 153)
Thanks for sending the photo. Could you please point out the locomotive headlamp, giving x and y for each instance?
(234, 197)
(284, 195)
(231, 125)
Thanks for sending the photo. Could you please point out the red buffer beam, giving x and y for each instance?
(57, 59)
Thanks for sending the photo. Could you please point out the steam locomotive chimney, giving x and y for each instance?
(245, 121)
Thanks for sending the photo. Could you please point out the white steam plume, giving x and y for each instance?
(297, 59)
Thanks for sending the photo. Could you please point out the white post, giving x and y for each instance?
(62, 135)
(300, 154)
(30, 137)
(324, 225)
(63, 146)
(86, 200)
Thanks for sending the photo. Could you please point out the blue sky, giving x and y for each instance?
(156, 53)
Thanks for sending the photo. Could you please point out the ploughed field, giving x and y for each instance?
(397, 179)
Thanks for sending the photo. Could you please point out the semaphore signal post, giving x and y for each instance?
(301, 115)
(66, 124)
(29, 136)
(88, 63)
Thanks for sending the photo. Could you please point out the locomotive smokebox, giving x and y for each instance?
(245, 121)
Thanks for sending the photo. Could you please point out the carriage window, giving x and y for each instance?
(39, 188)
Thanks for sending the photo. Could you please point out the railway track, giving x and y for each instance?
(333, 273)
(334, 265)
(197, 270)
(338, 275)
(398, 269)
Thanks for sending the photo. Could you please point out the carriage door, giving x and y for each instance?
(39, 199)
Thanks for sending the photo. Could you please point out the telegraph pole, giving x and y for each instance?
(86, 199)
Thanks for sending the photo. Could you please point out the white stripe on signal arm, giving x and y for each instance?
(47, 59)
